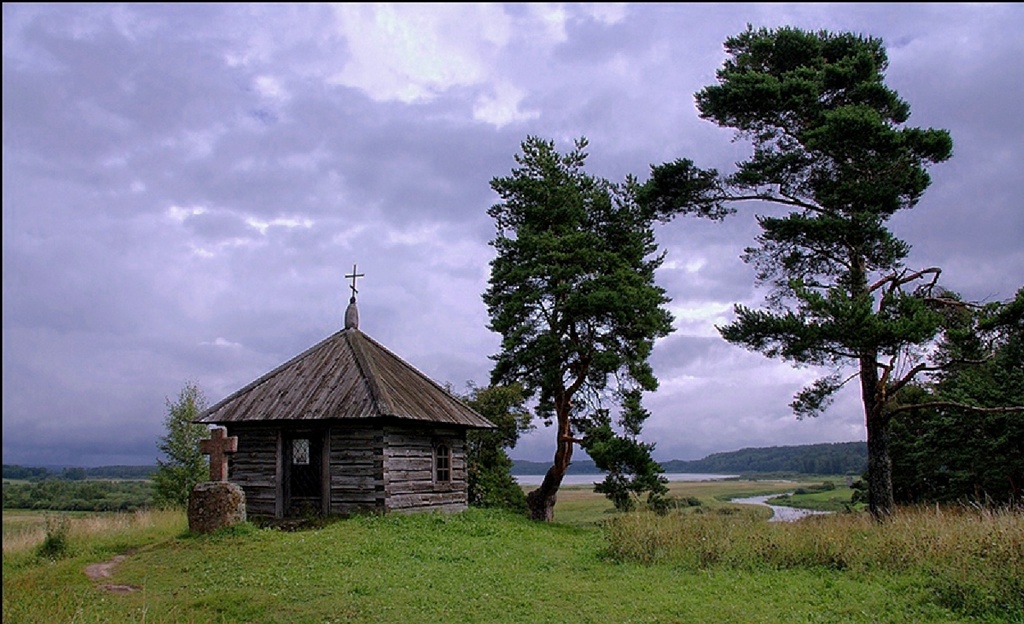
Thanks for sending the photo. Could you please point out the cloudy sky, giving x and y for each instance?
(185, 187)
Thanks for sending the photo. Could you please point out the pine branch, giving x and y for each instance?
(955, 405)
(895, 281)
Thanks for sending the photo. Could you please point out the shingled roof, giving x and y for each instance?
(348, 376)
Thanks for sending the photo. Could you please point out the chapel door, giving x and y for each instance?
(304, 461)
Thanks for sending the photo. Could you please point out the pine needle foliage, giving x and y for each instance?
(573, 296)
(831, 150)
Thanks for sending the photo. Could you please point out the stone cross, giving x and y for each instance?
(217, 446)
(354, 275)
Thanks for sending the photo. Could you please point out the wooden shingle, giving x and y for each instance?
(348, 376)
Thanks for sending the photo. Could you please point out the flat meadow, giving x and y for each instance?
(712, 562)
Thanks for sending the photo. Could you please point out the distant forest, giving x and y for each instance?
(840, 458)
(42, 473)
(107, 488)
(83, 495)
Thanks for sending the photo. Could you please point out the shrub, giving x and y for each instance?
(55, 545)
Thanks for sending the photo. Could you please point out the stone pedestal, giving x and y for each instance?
(214, 505)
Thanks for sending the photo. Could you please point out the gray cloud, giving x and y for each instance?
(185, 186)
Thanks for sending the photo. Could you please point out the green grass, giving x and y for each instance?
(967, 560)
(837, 499)
(488, 566)
(26, 529)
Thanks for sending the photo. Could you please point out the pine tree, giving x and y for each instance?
(572, 294)
(832, 148)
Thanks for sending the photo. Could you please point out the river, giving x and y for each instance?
(779, 513)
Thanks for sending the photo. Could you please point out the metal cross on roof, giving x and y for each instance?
(353, 276)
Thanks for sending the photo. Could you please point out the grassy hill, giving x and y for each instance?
(721, 564)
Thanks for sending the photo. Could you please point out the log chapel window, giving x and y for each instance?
(300, 452)
(442, 463)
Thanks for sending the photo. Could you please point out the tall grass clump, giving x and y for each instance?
(971, 559)
(55, 543)
(53, 536)
(691, 541)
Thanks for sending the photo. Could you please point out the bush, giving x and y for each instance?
(669, 503)
(493, 486)
(55, 545)
(488, 466)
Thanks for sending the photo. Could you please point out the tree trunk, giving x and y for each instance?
(541, 502)
(873, 396)
(880, 496)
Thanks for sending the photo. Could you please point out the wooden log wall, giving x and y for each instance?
(389, 468)
(409, 482)
(254, 468)
(356, 467)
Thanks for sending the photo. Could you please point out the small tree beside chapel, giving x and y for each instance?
(184, 464)
(489, 477)
(572, 295)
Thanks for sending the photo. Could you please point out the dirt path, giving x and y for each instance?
(100, 571)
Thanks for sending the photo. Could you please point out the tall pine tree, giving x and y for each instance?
(831, 148)
(572, 295)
